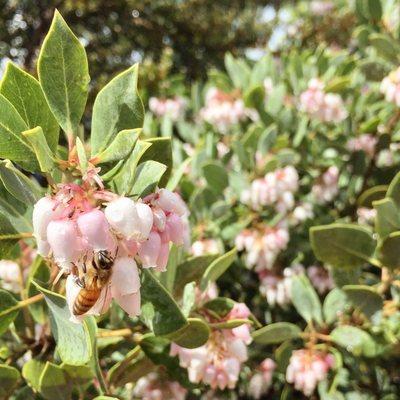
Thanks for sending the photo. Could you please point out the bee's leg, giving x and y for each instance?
(80, 281)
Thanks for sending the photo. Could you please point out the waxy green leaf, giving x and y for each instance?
(64, 74)
(12, 143)
(42, 150)
(9, 377)
(73, 340)
(342, 245)
(117, 107)
(335, 303)
(193, 335)
(276, 333)
(388, 250)
(147, 177)
(365, 298)
(24, 92)
(8, 313)
(54, 383)
(387, 217)
(167, 317)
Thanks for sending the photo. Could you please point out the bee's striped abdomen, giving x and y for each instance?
(85, 300)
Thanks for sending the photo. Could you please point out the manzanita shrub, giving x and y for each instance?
(284, 189)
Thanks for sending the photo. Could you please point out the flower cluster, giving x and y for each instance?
(275, 188)
(78, 223)
(365, 215)
(276, 287)
(321, 8)
(366, 143)
(262, 246)
(390, 87)
(326, 188)
(173, 108)
(261, 381)
(222, 110)
(205, 246)
(320, 278)
(154, 387)
(10, 276)
(307, 368)
(326, 107)
(218, 362)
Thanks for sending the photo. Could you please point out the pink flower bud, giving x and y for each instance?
(175, 229)
(159, 219)
(125, 277)
(130, 303)
(171, 202)
(43, 247)
(94, 229)
(133, 220)
(162, 259)
(44, 211)
(150, 250)
(64, 242)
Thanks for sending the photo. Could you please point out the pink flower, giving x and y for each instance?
(326, 107)
(154, 386)
(261, 381)
(130, 219)
(326, 188)
(320, 278)
(65, 242)
(173, 108)
(95, 230)
(307, 368)
(124, 287)
(10, 276)
(170, 202)
(366, 215)
(390, 87)
(366, 143)
(205, 246)
(149, 250)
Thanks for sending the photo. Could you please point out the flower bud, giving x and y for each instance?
(159, 219)
(125, 277)
(94, 229)
(162, 259)
(171, 202)
(44, 211)
(150, 250)
(175, 229)
(64, 241)
(133, 220)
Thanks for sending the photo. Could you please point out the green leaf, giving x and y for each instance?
(343, 277)
(117, 107)
(160, 151)
(8, 310)
(342, 245)
(305, 299)
(73, 340)
(42, 150)
(301, 131)
(12, 143)
(374, 9)
(167, 278)
(387, 217)
(334, 304)
(238, 71)
(167, 318)
(23, 91)
(157, 349)
(54, 383)
(78, 375)
(354, 340)
(178, 174)
(193, 335)
(191, 270)
(385, 46)
(9, 377)
(38, 272)
(217, 268)
(122, 181)
(216, 176)
(8, 237)
(120, 147)
(220, 306)
(188, 298)
(64, 74)
(365, 298)
(147, 177)
(31, 371)
(372, 194)
(128, 370)
(283, 354)
(18, 184)
(388, 251)
(276, 333)
(338, 84)
(393, 190)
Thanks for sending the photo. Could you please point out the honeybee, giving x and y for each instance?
(95, 278)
